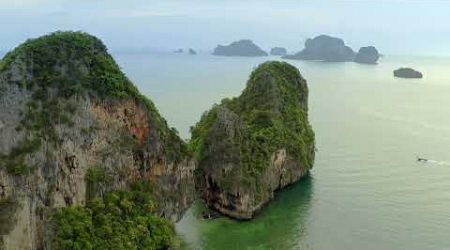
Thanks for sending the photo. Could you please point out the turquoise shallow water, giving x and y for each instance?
(366, 190)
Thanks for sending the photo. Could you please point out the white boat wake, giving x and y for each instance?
(434, 162)
(439, 162)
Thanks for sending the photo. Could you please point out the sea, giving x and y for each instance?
(366, 191)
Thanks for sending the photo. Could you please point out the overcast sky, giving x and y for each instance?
(394, 26)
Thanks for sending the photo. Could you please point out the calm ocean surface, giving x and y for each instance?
(366, 190)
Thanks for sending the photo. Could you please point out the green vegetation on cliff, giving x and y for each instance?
(95, 177)
(274, 118)
(58, 85)
(56, 70)
(249, 146)
(119, 220)
(44, 59)
(7, 215)
(15, 161)
(276, 115)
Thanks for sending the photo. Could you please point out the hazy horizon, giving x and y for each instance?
(394, 26)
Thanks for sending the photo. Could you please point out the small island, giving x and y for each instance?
(244, 48)
(324, 48)
(367, 55)
(278, 51)
(407, 73)
(192, 52)
(252, 145)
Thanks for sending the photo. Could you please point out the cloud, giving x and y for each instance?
(138, 13)
(148, 13)
(18, 4)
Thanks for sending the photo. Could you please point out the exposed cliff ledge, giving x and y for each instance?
(244, 48)
(67, 111)
(252, 145)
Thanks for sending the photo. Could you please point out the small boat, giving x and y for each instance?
(421, 159)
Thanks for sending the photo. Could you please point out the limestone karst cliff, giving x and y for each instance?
(72, 128)
(252, 145)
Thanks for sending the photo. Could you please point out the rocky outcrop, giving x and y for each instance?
(324, 48)
(67, 111)
(240, 48)
(367, 55)
(278, 51)
(250, 146)
(407, 73)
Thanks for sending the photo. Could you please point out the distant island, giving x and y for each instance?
(278, 51)
(367, 55)
(407, 73)
(192, 52)
(179, 51)
(324, 48)
(332, 49)
(240, 48)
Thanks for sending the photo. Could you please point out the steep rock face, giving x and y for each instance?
(240, 48)
(250, 146)
(407, 73)
(278, 51)
(67, 111)
(324, 48)
(367, 55)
